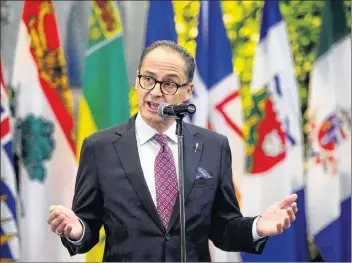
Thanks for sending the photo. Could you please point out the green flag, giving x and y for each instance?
(105, 99)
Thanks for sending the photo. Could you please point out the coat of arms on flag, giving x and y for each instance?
(332, 131)
(9, 245)
(266, 144)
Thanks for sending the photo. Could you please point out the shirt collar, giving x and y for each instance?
(146, 132)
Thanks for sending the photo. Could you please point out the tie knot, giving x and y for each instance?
(161, 139)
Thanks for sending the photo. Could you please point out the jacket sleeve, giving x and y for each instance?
(230, 231)
(87, 201)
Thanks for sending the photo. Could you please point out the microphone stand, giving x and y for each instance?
(179, 133)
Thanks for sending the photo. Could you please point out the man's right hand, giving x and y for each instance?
(64, 222)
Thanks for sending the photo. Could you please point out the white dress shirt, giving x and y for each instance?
(148, 150)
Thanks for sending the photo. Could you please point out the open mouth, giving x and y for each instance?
(153, 106)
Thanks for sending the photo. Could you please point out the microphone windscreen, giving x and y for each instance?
(161, 109)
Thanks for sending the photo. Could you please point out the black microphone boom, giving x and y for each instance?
(180, 110)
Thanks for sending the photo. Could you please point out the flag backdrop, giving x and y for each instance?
(160, 22)
(329, 172)
(9, 245)
(105, 100)
(44, 120)
(216, 92)
(274, 162)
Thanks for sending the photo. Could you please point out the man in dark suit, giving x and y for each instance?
(127, 181)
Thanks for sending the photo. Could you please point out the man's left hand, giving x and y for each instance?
(278, 217)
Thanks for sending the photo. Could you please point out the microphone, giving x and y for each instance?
(167, 110)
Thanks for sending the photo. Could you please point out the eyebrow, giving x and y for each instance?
(170, 75)
(149, 72)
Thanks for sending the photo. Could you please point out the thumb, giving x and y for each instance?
(287, 201)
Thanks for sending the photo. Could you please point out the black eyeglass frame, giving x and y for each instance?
(161, 82)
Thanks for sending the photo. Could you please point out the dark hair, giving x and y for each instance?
(186, 56)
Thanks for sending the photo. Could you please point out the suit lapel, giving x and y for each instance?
(192, 154)
(127, 151)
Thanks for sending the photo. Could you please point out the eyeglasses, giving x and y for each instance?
(167, 87)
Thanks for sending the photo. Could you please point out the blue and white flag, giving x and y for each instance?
(9, 246)
(216, 93)
(160, 22)
(275, 156)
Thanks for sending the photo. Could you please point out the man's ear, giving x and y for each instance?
(136, 83)
(189, 90)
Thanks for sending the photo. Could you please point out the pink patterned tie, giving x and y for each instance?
(165, 180)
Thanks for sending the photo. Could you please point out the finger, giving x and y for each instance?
(279, 228)
(61, 227)
(56, 222)
(294, 207)
(287, 222)
(288, 200)
(52, 208)
(68, 229)
(53, 215)
(291, 214)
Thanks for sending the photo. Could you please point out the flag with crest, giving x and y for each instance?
(274, 139)
(44, 123)
(105, 97)
(329, 154)
(9, 244)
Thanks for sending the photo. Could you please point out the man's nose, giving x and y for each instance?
(157, 90)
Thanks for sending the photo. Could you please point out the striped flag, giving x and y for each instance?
(44, 120)
(329, 172)
(9, 245)
(274, 161)
(105, 98)
(216, 93)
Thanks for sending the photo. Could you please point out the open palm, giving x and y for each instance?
(278, 217)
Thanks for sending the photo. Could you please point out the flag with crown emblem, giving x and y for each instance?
(9, 244)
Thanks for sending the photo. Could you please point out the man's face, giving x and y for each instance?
(162, 65)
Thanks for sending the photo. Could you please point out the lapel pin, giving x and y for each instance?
(195, 149)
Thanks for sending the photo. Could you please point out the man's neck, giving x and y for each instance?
(161, 126)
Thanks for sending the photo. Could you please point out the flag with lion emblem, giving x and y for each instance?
(44, 125)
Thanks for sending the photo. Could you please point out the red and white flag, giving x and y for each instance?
(45, 126)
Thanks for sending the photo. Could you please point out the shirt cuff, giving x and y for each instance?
(255, 235)
(78, 242)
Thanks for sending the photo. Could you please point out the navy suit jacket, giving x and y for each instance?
(111, 191)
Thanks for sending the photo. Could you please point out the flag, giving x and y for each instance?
(329, 109)
(105, 100)
(274, 151)
(160, 22)
(216, 93)
(44, 121)
(9, 245)
(73, 46)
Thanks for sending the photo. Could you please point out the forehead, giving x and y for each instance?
(162, 61)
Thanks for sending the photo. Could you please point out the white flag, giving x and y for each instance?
(329, 173)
